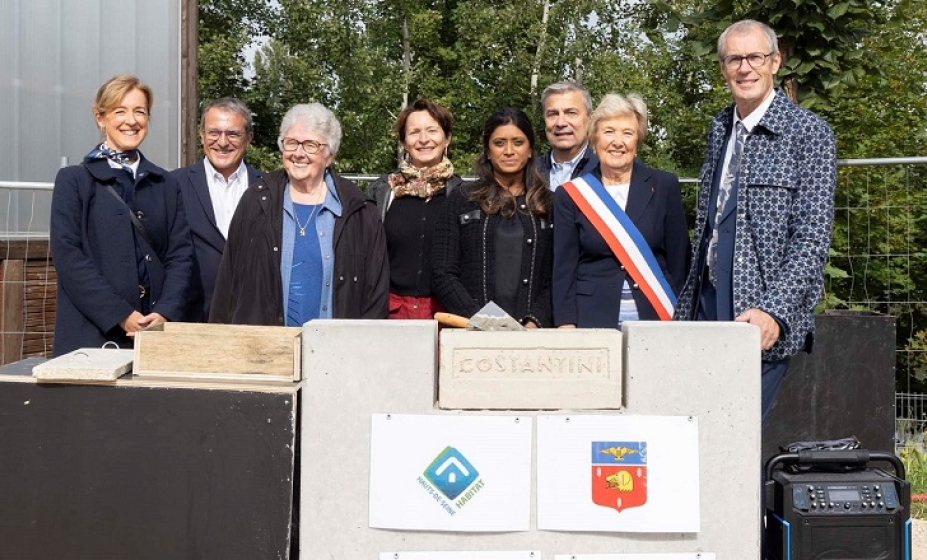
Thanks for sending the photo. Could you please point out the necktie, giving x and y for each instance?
(724, 194)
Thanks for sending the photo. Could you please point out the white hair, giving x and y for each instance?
(317, 118)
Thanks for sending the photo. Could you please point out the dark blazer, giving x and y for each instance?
(208, 241)
(586, 164)
(249, 286)
(464, 257)
(588, 278)
(774, 236)
(93, 244)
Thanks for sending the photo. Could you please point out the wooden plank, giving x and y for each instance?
(219, 351)
(21, 249)
(11, 310)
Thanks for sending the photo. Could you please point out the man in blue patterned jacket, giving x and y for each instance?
(765, 208)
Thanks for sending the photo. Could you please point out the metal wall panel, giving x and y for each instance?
(56, 55)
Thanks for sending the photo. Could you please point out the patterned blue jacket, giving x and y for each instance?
(784, 215)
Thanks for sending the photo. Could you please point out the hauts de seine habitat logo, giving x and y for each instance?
(451, 480)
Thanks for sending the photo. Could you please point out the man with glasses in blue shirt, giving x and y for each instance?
(765, 208)
(212, 188)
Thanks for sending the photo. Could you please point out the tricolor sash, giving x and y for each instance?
(625, 241)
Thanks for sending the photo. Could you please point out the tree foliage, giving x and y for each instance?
(861, 65)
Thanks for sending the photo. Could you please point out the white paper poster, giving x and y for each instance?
(450, 473)
(482, 555)
(618, 473)
(686, 556)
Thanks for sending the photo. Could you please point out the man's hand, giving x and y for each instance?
(769, 328)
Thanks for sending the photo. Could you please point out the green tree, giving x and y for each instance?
(820, 40)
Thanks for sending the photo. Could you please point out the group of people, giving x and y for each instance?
(585, 235)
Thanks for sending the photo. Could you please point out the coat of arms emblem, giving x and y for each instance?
(619, 474)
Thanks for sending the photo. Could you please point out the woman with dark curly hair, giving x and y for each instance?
(493, 241)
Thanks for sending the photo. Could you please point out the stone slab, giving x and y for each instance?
(576, 369)
(86, 364)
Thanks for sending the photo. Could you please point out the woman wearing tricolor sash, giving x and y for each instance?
(621, 243)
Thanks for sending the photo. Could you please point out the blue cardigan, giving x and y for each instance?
(93, 244)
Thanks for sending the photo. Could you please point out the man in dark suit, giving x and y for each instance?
(211, 189)
(765, 208)
(567, 108)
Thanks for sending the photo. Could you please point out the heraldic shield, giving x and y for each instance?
(619, 474)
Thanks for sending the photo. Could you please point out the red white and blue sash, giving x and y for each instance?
(625, 241)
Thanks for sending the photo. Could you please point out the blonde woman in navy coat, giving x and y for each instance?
(591, 286)
(118, 275)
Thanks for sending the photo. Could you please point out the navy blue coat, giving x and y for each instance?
(93, 244)
(208, 241)
(588, 278)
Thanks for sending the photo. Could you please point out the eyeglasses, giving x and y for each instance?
(309, 146)
(755, 60)
(233, 136)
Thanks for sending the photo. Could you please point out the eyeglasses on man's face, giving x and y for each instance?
(755, 60)
(309, 146)
(233, 136)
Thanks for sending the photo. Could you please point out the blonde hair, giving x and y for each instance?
(614, 105)
(114, 89)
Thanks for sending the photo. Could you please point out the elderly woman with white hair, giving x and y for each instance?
(621, 243)
(304, 243)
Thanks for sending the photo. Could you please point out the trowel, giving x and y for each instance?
(490, 318)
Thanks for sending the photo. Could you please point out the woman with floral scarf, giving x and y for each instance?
(410, 202)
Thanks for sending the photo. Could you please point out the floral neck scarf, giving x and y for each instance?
(422, 182)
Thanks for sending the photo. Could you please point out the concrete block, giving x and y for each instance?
(710, 370)
(86, 364)
(352, 369)
(533, 370)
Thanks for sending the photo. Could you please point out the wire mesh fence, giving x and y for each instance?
(878, 263)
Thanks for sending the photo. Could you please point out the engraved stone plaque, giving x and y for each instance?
(536, 369)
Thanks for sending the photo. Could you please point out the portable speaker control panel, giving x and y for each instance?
(871, 496)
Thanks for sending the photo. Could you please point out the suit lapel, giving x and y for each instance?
(253, 174)
(640, 192)
(201, 188)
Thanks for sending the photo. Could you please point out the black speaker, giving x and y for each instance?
(836, 505)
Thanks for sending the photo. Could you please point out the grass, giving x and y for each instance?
(915, 466)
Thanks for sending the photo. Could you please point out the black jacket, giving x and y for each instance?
(381, 194)
(249, 287)
(464, 256)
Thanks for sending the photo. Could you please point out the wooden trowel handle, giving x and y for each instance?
(451, 320)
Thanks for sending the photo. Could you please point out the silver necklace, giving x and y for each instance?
(312, 213)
